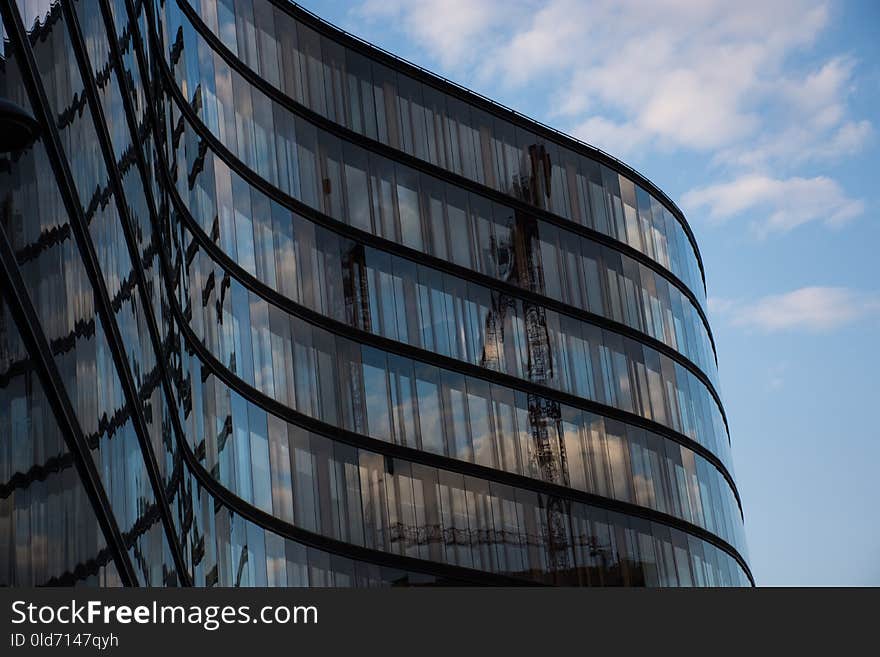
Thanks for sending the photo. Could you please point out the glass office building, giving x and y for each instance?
(280, 309)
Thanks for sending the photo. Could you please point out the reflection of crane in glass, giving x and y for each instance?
(356, 288)
(601, 557)
(516, 258)
(541, 174)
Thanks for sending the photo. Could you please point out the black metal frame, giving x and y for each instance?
(220, 493)
(22, 310)
(493, 107)
(353, 233)
(390, 450)
(97, 115)
(458, 271)
(287, 530)
(27, 320)
(379, 148)
(392, 346)
(15, 292)
(212, 364)
(335, 433)
(407, 350)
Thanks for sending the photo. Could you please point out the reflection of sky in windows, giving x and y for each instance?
(352, 495)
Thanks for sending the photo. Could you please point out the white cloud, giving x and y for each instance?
(727, 81)
(774, 205)
(610, 136)
(814, 309)
(447, 29)
(680, 73)
(719, 305)
(797, 144)
(815, 125)
(697, 74)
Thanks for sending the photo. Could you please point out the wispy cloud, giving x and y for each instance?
(679, 72)
(774, 205)
(446, 29)
(814, 123)
(812, 309)
(703, 76)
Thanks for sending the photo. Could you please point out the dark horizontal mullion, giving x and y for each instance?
(92, 567)
(349, 550)
(338, 434)
(357, 440)
(236, 504)
(92, 264)
(37, 472)
(492, 107)
(364, 337)
(391, 247)
(462, 272)
(165, 379)
(15, 290)
(404, 158)
(81, 571)
(107, 426)
(388, 449)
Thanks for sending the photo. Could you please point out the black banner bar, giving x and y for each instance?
(459, 621)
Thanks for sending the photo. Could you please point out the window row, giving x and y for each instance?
(262, 236)
(397, 110)
(224, 549)
(269, 349)
(399, 299)
(413, 403)
(331, 174)
(395, 506)
(520, 434)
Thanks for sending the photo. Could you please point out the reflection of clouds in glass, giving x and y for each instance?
(644, 489)
(484, 445)
(408, 204)
(429, 417)
(617, 463)
(468, 402)
(409, 508)
(282, 493)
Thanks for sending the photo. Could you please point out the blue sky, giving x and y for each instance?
(760, 120)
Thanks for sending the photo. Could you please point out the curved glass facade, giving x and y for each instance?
(375, 194)
(366, 95)
(281, 310)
